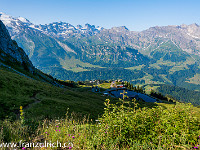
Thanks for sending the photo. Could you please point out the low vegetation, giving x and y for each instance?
(34, 111)
(122, 126)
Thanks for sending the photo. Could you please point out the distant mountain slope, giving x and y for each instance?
(168, 54)
(186, 37)
(180, 94)
(46, 45)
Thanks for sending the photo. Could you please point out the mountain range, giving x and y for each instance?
(158, 55)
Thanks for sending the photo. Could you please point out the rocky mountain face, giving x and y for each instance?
(10, 53)
(63, 30)
(50, 44)
(168, 54)
(184, 36)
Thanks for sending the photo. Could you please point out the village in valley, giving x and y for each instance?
(119, 88)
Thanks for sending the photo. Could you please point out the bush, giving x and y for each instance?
(157, 127)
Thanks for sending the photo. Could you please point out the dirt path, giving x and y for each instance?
(36, 100)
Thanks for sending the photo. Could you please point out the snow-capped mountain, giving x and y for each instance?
(58, 29)
(62, 29)
(8, 20)
(14, 25)
(184, 36)
(52, 43)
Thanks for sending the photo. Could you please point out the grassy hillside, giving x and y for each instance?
(121, 125)
(43, 100)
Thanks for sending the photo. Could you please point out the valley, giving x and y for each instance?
(96, 88)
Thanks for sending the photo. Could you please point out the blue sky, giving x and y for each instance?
(136, 15)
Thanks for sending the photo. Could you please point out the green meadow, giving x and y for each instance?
(86, 120)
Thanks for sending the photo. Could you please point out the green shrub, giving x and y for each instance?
(125, 127)
(149, 127)
(122, 126)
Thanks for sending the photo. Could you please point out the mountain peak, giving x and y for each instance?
(79, 26)
(3, 14)
(89, 26)
(120, 28)
(8, 20)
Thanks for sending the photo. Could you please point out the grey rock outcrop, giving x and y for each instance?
(10, 53)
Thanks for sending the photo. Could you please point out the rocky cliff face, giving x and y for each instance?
(10, 53)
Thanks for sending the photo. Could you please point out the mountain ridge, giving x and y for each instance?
(61, 49)
(188, 33)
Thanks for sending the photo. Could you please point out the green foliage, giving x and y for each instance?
(181, 94)
(130, 86)
(96, 73)
(123, 125)
(137, 88)
(158, 127)
(13, 131)
(126, 126)
(67, 83)
(160, 96)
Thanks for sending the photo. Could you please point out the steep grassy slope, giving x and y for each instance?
(42, 100)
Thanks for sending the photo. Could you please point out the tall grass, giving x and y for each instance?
(125, 127)
(122, 126)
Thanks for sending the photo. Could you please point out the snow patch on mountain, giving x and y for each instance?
(6, 18)
(24, 20)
